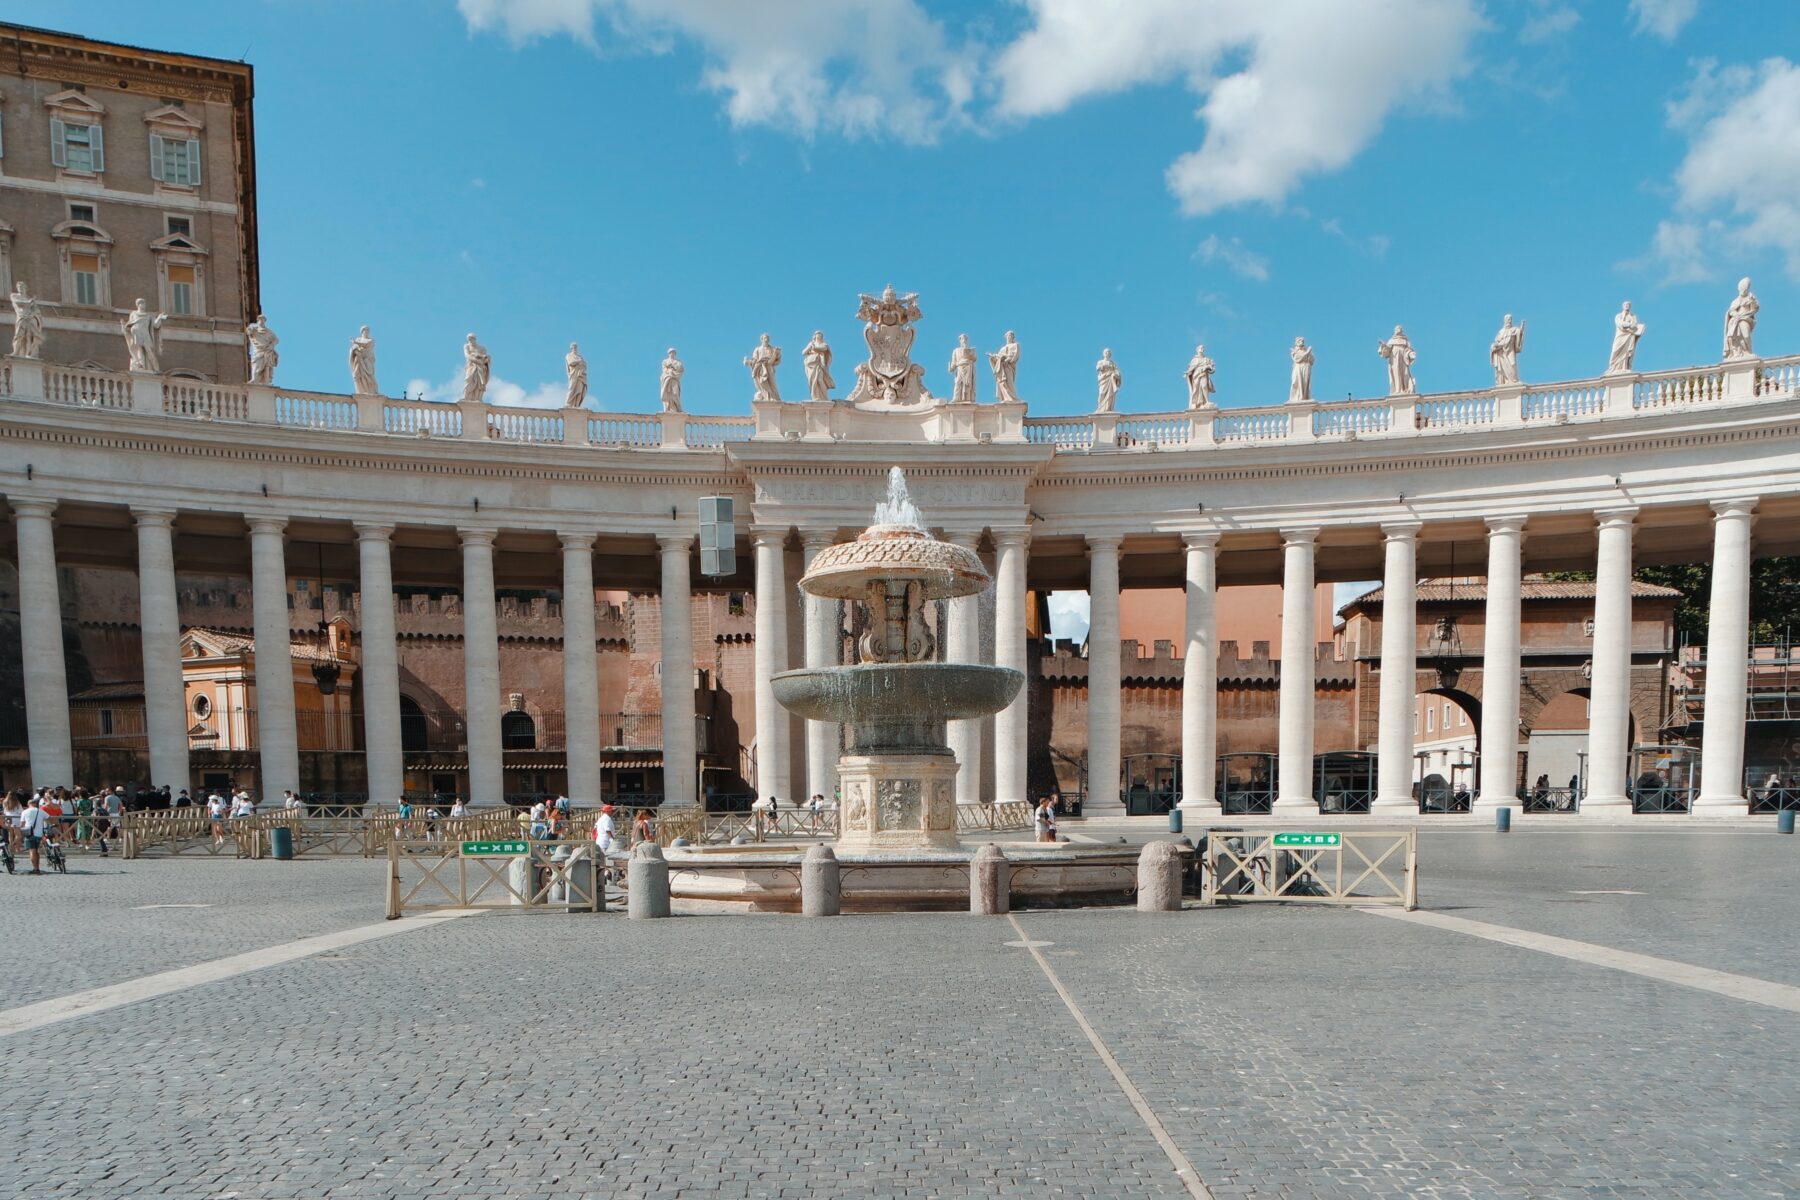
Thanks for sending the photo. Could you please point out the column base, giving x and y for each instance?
(1394, 806)
(1487, 804)
(1205, 808)
(1716, 808)
(1302, 806)
(1605, 806)
(1103, 809)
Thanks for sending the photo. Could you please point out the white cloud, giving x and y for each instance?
(1234, 255)
(1663, 18)
(1289, 88)
(502, 393)
(851, 67)
(1068, 615)
(1548, 24)
(1737, 190)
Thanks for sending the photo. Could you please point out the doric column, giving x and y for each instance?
(1103, 709)
(1399, 670)
(380, 668)
(41, 642)
(679, 766)
(1609, 707)
(1199, 678)
(481, 668)
(1727, 664)
(962, 643)
(278, 745)
(581, 678)
(1294, 790)
(1009, 651)
(159, 623)
(821, 650)
(772, 775)
(1500, 666)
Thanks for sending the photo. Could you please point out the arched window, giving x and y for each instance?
(518, 731)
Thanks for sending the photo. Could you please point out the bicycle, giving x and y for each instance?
(54, 856)
(6, 851)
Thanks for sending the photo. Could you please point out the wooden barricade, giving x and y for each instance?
(424, 876)
(1310, 867)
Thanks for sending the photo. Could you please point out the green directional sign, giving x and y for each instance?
(477, 849)
(1308, 839)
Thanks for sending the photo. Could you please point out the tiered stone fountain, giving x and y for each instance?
(897, 777)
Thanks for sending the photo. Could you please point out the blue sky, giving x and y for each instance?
(634, 175)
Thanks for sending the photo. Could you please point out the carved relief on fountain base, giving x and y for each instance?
(897, 802)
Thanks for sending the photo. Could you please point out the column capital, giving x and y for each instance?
(767, 535)
(22, 507)
(577, 542)
(815, 540)
(675, 543)
(1741, 506)
(1401, 531)
(372, 532)
(261, 524)
(1625, 515)
(1504, 525)
(472, 536)
(1300, 536)
(968, 539)
(1011, 537)
(1105, 541)
(152, 517)
(1201, 539)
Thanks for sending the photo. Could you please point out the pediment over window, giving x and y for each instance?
(74, 103)
(86, 230)
(179, 242)
(171, 118)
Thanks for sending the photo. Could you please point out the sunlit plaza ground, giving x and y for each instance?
(1278, 1050)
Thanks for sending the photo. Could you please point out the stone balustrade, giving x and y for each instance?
(1504, 407)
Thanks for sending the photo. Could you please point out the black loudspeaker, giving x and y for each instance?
(718, 536)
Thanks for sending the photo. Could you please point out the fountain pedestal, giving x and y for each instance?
(897, 802)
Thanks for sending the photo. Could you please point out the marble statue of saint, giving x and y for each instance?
(1300, 382)
(1400, 357)
(362, 364)
(1111, 380)
(670, 387)
(1740, 322)
(1504, 353)
(578, 377)
(1627, 329)
(1004, 362)
(143, 338)
(477, 366)
(28, 323)
(962, 371)
(762, 363)
(1200, 379)
(816, 358)
(263, 356)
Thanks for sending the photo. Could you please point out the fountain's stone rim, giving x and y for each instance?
(876, 694)
(896, 553)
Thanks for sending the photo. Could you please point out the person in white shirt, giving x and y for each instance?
(539, 820)
(605, 829)
(34, 824)
(459, 809)
(289, 800)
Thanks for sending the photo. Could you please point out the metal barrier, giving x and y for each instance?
(1550, 800)
(500, 873)
(1314, 867)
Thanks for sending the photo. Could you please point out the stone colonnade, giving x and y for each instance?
(1722, 784)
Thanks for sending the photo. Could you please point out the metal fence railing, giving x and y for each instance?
(1550, 800)
(1316, 867)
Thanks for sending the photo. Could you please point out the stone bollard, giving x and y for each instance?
(1159, 878)
(821, 889)
(558, 891)
(990, 882)
(647, 882)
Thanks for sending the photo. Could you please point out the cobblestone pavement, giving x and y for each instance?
(1289, 1051)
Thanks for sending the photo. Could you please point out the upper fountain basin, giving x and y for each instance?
(873, 693)
(897, 554)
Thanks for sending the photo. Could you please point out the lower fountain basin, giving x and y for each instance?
(918, 692)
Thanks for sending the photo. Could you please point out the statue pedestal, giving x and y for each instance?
(1741, 378)
(897, 802)
(27, 376)
(146, 392)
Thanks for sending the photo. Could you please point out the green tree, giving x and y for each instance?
(1774, 595)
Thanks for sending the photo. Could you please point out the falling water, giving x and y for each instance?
(898, 508)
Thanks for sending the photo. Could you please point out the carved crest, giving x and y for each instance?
(889, 376)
